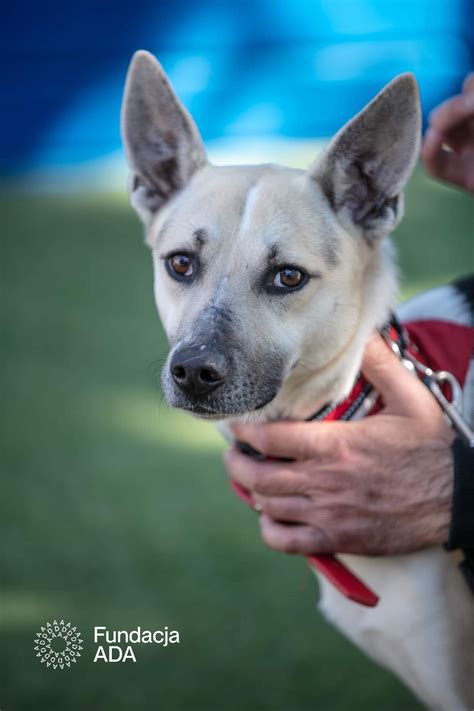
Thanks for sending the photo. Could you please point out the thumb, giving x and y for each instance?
(400, 389)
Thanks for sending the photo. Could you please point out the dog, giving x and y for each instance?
(269, 282)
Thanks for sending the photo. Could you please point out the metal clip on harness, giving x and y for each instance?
(434, 380)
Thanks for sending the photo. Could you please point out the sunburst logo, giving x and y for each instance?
(58, 645)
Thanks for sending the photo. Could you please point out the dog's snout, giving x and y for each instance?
(197, 371)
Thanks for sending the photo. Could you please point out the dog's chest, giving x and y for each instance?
(423, 627)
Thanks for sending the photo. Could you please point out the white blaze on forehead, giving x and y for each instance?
(252, 197)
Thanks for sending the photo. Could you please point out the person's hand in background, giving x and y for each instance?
(379, 486)
(448, 148)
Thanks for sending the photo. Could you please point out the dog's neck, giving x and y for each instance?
(306, 390)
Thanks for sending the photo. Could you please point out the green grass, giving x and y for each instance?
(117, 511)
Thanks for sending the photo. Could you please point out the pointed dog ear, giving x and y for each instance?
(365, 167)
(161, 140)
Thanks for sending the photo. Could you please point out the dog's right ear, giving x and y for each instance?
(161, 140)
(365, 167)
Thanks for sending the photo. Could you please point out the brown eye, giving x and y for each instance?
(289, 278)
(181, 265)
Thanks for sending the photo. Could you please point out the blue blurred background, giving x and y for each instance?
(255, 69)
(116, 510)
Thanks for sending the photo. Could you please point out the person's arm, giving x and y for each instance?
(380, 486)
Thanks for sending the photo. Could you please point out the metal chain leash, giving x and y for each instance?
(434, 380)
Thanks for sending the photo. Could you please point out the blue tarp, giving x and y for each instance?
(244, 68)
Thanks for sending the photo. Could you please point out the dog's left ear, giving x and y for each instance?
(365, 167)
(162, 143)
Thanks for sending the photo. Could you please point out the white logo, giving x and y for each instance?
(58, 644)
(116, 645)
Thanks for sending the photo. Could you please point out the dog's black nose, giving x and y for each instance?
(198, 371)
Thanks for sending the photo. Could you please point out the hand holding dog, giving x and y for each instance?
(379, 486)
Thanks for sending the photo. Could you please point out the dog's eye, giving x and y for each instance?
(180, 264)
(289, 278)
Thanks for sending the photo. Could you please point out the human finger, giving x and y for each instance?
(401, 392)
(448, 165)
(468, 84)
(266, 478)
(291, 440)
(284, 508)
(452, 112)
(293, 538)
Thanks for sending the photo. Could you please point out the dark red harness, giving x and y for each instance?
(441, 345)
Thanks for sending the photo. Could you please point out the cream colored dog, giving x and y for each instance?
(269, 282)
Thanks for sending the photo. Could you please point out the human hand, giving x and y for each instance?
(448, 148)
(379, 486)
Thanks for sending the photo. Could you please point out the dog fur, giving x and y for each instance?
(286, 354)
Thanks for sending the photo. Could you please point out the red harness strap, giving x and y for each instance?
(442, 345)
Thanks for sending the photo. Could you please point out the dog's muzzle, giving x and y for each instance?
(198, 371)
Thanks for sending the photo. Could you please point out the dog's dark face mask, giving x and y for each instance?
(214, 374)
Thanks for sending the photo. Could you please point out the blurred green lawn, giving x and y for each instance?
(117, 512)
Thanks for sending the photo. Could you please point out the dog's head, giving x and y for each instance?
(259, 267)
